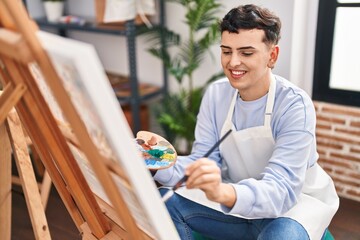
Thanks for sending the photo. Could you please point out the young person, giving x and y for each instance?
(263, 182)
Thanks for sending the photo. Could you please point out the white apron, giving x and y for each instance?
(242, 159)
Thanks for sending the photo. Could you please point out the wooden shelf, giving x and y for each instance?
(122, 87)
(134, 92)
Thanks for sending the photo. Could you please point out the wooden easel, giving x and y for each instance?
(94, 218)
(45, 183)
(12, 138)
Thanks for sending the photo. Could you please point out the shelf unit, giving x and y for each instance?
(128, 30)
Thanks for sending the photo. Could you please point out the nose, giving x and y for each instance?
(234, 60)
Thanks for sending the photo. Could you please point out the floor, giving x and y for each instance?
(60, 224)
(345, 225)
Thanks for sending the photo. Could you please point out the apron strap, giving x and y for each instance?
(232, 109)
(270, 101)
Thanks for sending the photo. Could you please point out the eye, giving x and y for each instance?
(226, 52)
(247, 54)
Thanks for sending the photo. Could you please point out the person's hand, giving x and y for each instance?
(206, 175)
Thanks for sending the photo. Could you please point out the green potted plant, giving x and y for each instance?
(53, 9)
(177, 113)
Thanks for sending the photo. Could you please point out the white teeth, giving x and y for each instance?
(238, 72)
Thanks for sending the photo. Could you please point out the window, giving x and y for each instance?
(337, 54)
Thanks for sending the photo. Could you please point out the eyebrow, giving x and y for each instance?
(240, 48)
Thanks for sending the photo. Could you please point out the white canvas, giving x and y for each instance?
(85, 80)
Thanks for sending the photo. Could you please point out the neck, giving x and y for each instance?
(255, 93)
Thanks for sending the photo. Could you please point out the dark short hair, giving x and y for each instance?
(250, 17)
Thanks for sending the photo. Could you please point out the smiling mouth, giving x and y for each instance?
(237, 73)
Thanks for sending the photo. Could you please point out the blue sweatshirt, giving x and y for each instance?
(293, 128)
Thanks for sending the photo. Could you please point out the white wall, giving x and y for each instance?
(296, 45)
(303, 43)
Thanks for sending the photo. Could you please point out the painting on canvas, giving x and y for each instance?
(85, 80)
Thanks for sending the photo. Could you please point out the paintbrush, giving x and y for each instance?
(171, 191)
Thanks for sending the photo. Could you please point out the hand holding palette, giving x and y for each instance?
(156, 150)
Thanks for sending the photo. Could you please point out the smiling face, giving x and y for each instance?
(247, 62)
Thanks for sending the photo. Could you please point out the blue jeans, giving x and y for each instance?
(189, 216)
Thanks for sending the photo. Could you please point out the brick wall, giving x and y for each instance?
(338, 139)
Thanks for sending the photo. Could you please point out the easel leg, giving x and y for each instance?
(5, 185)
(45, 188)
(27, 177)
(46, 183)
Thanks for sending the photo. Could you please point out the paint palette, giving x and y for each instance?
(156, 150)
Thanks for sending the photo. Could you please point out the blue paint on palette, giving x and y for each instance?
(155, 163)
(150, 162)
(162, 164)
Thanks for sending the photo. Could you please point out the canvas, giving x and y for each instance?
(85, 80)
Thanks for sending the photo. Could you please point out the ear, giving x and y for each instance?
(274, 53)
